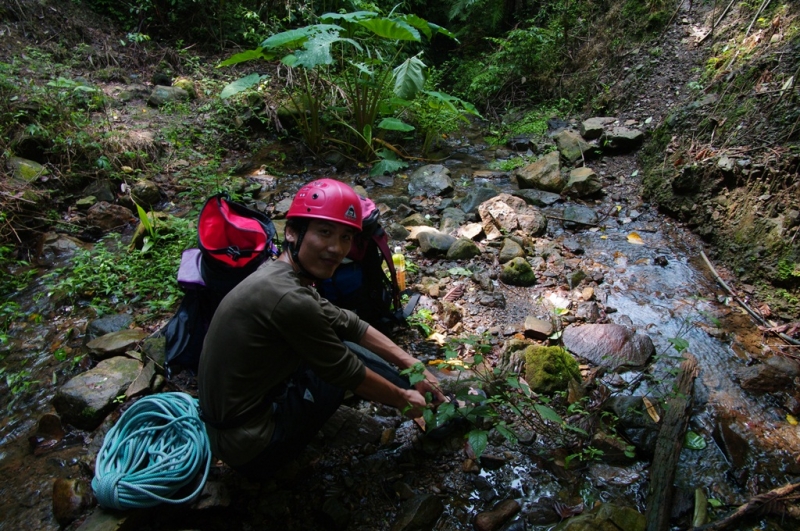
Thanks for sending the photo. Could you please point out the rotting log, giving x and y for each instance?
(668, 448)
(785, 493)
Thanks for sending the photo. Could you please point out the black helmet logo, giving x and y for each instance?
(351, 213)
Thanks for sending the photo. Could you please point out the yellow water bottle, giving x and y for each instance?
(399, 262)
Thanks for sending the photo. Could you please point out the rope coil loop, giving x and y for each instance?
(158, 447)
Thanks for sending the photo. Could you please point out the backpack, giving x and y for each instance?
(233, 240)
(360, 283)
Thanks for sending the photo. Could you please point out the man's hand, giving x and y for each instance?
(415, 404)
(431, 385)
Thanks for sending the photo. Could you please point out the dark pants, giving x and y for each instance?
(301, 407)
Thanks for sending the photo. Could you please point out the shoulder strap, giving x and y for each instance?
(380, 239)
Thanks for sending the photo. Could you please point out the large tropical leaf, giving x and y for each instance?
(417, 22)
(409, 78)
(391, 29)
(387, 164)
(395, 124)
(478, 440)
(247, 55)
(240, 85)
(452, 100)
(295, 38)
(355, 16)
(438, 29)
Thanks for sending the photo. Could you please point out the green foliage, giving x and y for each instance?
(422, 319)
(110, 278)
(14, 277)
(354, 69)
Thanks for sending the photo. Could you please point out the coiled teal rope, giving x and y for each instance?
(158, 447)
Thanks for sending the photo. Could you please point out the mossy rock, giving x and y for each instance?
(550, 369)
(518, 272)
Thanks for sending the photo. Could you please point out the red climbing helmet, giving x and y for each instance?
(327, 199)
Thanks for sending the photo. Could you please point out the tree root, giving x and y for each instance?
(776, 495)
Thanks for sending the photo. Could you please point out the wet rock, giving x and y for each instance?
(431, 180)
(107, 216)
(116, 342)
(549, 369)
(463, 249)
(588, 311)
(583, 182)
(574, 278)
(145, 193)
(536, 328)
(420, 513)
(71, 498)
(26, 170)
(55, 246)
(108, 325)
(403, 490)
(49, 433)
(605, 516)
(544, 174)
(142, 384)
(102, 190)
(537, 198)
(101, 520)
(518, 272)
(434, 243)
(154, 348)
(452, 218)
(572, 146)
(572, 245)
(621, 140)
(510, 250)
(492, 300)
(494, 519)
(608, 345)
(604, 474)
(397, 232)
(87, 398)
(476, 196)
(635, 424)
(775, 374)
(350, 427)
(162, 95)
(542, 512)
(578, 216)
(734, 444)
(594, 127)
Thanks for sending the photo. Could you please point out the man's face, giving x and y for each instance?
(324, 247)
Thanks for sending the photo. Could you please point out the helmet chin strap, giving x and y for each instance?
(294, 252)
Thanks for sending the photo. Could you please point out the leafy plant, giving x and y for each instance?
(422, 319)
(352, 68)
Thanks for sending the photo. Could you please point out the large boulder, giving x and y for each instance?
(86, 399)
(609, 345)
(572, 146)
(431, 180)
(544, 174)
(108, 216)
(505, 214)
(162, 95)
(621, 140)
(583, 182)
(476, 196)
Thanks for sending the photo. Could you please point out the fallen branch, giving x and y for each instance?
(714, 25)
(747, 308)
(751, 507)
(668, 447)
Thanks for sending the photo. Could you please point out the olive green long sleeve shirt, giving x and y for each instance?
(262, 331)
